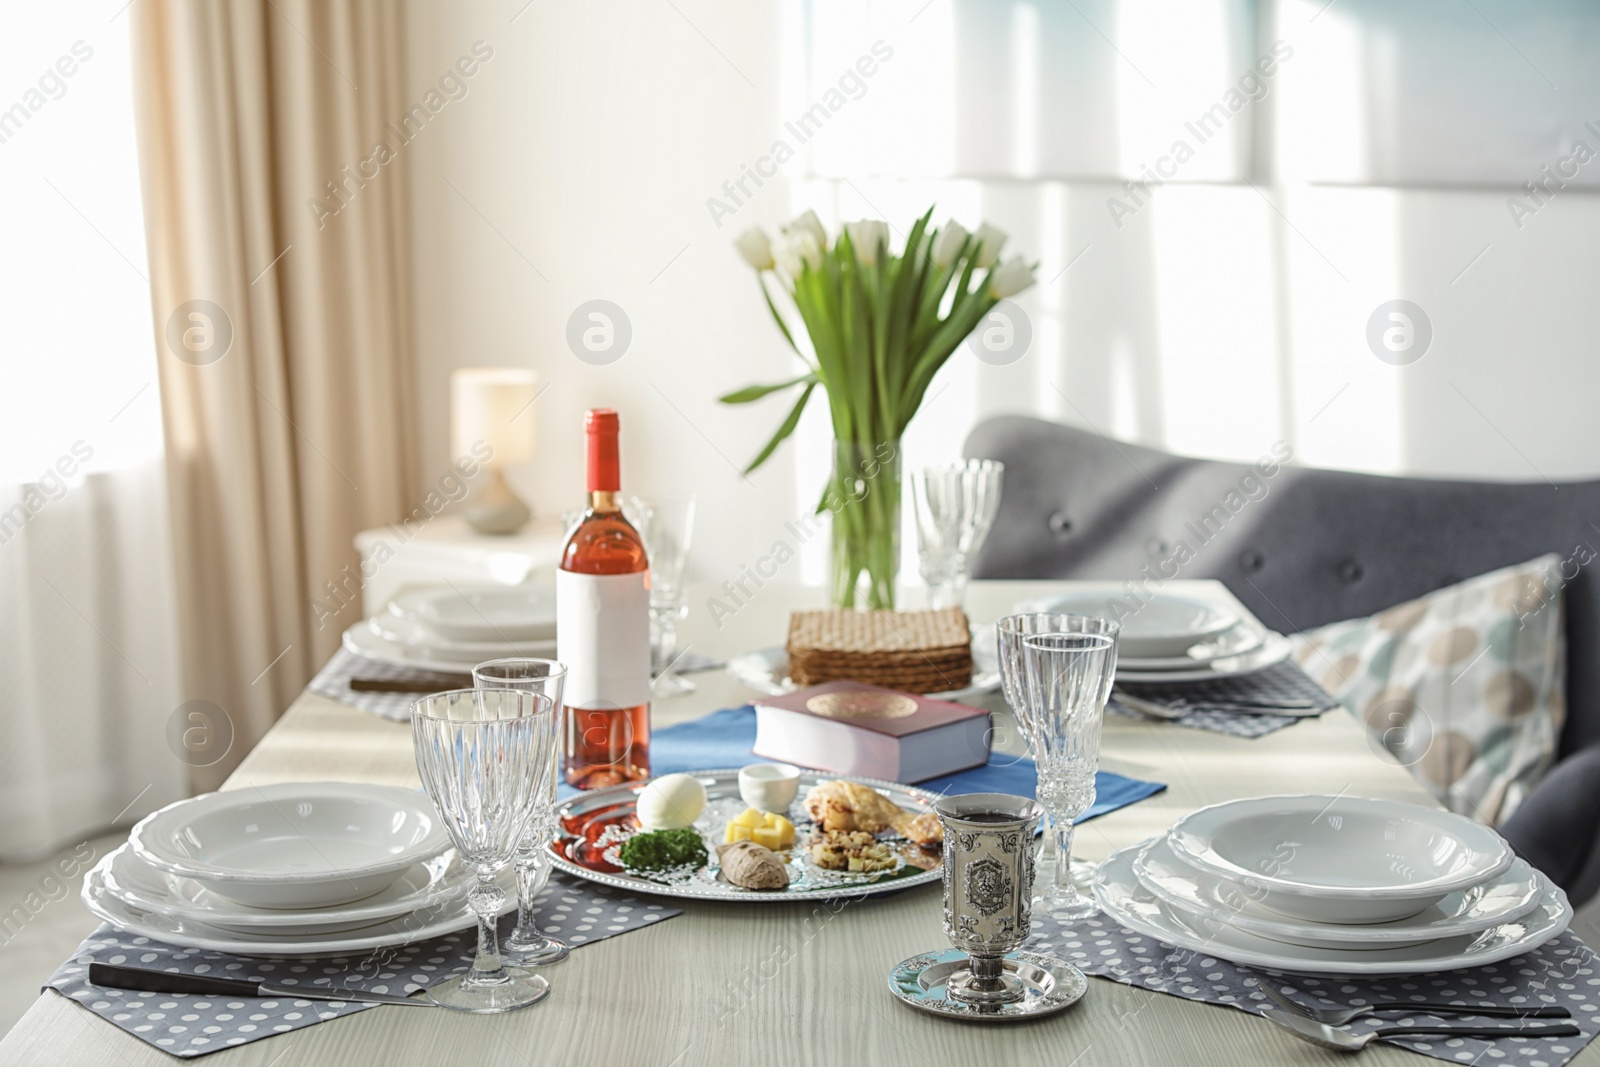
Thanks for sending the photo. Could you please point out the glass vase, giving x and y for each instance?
(864, 500)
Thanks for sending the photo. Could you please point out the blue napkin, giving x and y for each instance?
(723, 739)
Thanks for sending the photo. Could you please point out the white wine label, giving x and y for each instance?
(603, 636)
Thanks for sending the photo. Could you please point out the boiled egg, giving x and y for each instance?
(670, 802)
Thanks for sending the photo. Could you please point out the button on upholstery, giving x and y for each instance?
(1350, 571)
(1251, 560)
(1060, 525)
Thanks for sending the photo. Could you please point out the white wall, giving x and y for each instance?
(1219, 318)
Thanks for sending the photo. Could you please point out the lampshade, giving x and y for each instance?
(494, 405)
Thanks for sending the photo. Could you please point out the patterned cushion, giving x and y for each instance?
(1465, 686)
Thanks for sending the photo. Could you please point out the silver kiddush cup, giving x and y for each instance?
(988, 888)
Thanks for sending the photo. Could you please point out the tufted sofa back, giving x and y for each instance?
(1299, 547)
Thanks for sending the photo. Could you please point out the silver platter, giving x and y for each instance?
(807, 881)
(1049, 985)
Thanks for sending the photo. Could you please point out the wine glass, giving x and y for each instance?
(955, 505)
(527, 946)
(479, 754)
(665, 526)
(1063, 738)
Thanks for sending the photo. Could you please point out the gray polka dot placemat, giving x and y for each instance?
(333, 681)
(572, 909)
(1282, 681)
(1563, 971)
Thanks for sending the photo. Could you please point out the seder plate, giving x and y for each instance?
(1050, 985)
(586, 817)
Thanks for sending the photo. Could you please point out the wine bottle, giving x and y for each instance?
(603, 628)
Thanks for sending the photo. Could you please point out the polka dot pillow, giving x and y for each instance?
(1465, 686)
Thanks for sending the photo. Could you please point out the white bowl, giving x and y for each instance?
(1159, 627)
(500, 613)
(1339, 859)
(769, 786)
(293, 845)
(1204, 897)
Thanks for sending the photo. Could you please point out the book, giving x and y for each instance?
(850, 728)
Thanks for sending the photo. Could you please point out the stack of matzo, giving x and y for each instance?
(912, 651)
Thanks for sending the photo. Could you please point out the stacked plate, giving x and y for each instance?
(453, 629)
(1333, 886)
(300, 869)
(1169, 638)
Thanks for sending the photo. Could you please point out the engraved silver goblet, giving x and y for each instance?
(988, 889)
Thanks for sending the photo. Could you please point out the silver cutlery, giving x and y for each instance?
(1344, 1041)
(1340, 1016)
(144, 980)
(1177, 709)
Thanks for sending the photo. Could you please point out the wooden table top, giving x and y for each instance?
(746, 985)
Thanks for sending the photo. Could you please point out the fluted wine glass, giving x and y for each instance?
(665, 526)
(1063, 736)
(479, 754)
(527, 945)
(955, 505)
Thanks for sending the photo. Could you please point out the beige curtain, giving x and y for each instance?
(279, 275)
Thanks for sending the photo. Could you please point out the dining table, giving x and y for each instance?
(803, 984)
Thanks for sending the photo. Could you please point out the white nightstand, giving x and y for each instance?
(397, 558)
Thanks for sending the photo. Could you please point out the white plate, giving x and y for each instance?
(1235, 642)
(1273, 650)
(1162, 626)
(497, 613)
(418, 638)
(134, 882)
(1126, 900)
(767, 670)
(1204, 896)
(1339, 859)
(448, 916)
(363, 641)
(295, 844)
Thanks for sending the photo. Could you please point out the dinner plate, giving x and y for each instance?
(131, 880)
(1163, 625)
(417, 637)
(1273, 650)
(1235, 642)
(592, 822)
(1124, 898)
(1340, 859)
(294, 844)
(362, 640)
(498, 613)
(444, 918)
(767, 670)
(1207, 897)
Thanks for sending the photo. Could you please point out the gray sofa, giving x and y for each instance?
(1304, 547)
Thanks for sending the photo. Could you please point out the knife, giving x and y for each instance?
(410, 685)
(144, 980)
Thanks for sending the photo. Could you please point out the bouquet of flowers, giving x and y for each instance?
(880, 326)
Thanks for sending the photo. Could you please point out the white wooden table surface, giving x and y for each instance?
(778, 986)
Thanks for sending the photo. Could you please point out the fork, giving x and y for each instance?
(1344, 1041)
(1340, 1016)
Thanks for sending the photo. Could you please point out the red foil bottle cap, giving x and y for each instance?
(601, 426)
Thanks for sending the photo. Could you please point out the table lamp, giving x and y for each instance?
(494, 406)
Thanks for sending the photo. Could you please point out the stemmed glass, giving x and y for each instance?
(955, 505)
(479, 754)
(527, 945)
(665, 526)
(1056, 671)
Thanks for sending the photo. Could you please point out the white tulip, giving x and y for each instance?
(796, 250)
(1010, 278)
(867, 236)
(755, 247)
(990, 241)
(947, 245)
(809, 223)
